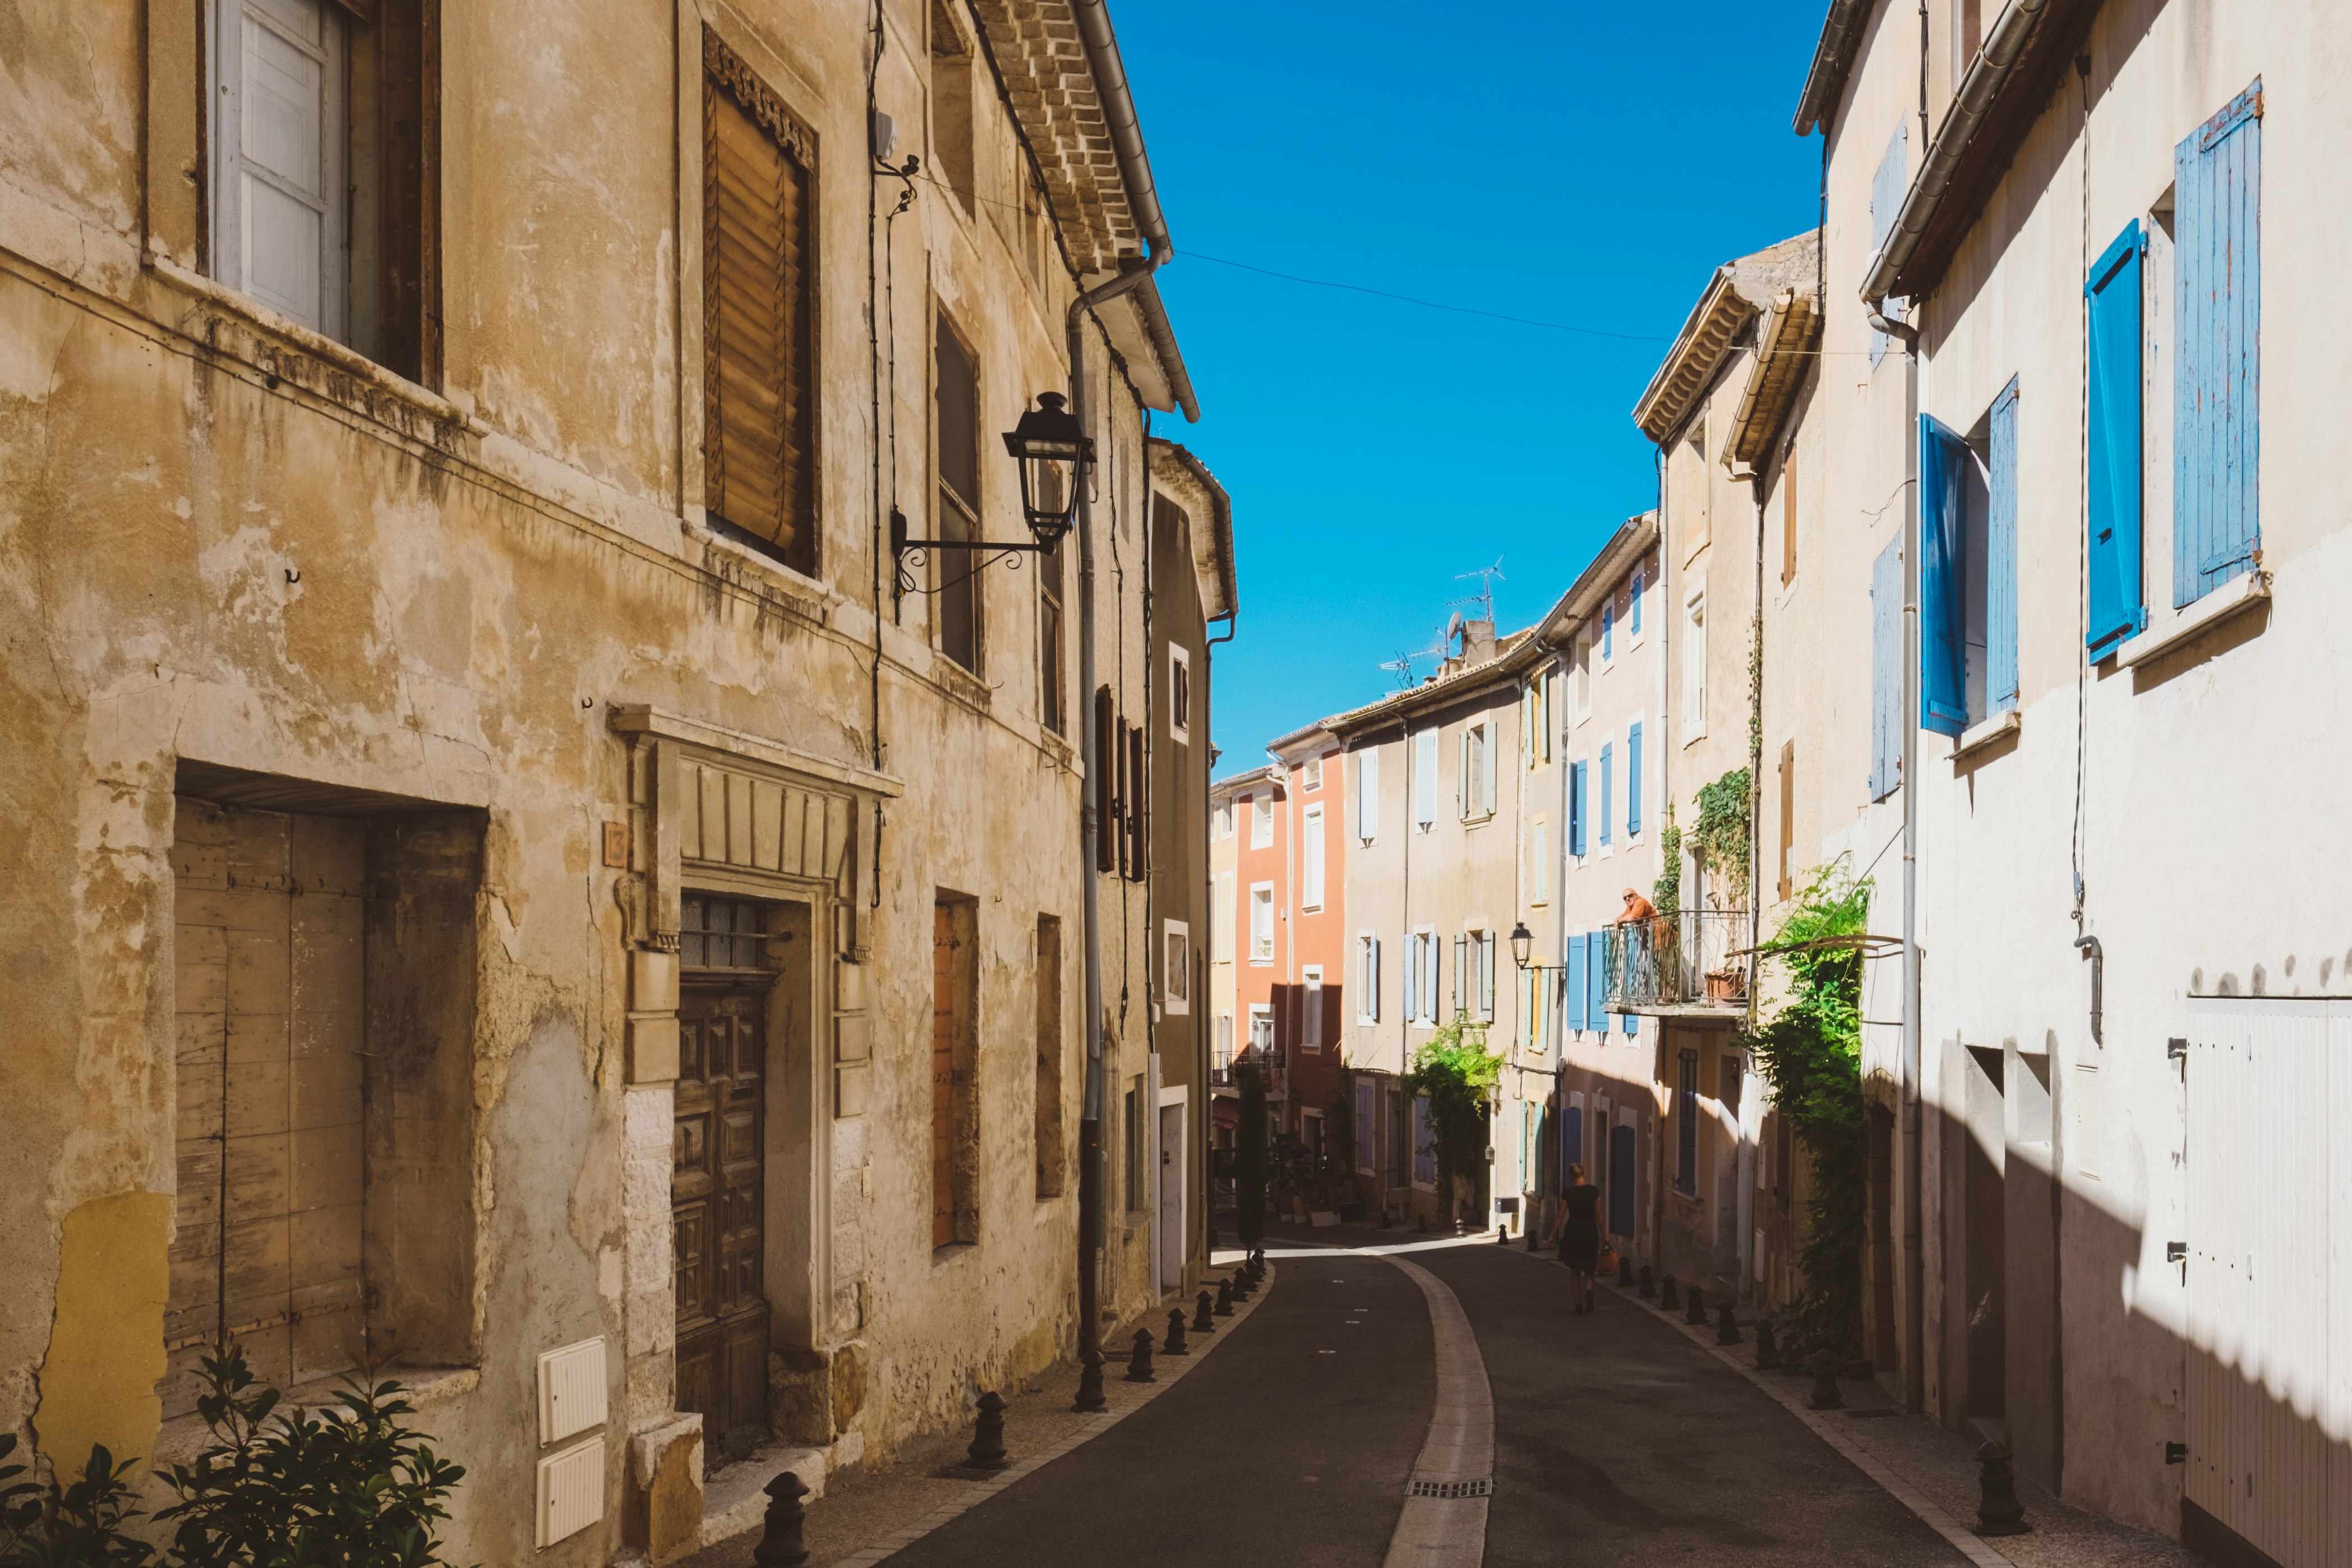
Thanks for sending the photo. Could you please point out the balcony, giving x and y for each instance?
(1224, 1070)
(1691, 962)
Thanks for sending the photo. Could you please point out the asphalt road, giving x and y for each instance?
(1617, 1442)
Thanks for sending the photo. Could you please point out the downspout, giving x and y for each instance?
(1135, 173)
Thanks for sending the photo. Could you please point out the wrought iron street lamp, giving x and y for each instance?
(1052, 453)
(1522, 939)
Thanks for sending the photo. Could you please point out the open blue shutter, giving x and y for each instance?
(1633, 607)
(1577, 981)
(1608, 622)
(1943, 678)
(2113, 549)
(2218, 201)
(1633, 781)
(1605, 760)
(1576, 798)
(2000, 557)
(1886, 671)
(1596, 995)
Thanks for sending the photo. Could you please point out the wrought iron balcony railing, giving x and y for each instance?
(1693, 960)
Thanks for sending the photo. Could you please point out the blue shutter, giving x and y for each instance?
(1629, 1022)
(1577, 981)
(1886, 671)
(1943, 673)
(2000, 557)
(1633, 781)
(1621, 1180)
(1887, 189)
(1634, 614)
(1412, 977)
(2113, 549)
(1576, 798)
(1596, 995)
(2215, 432)
(1608, 620)
(1605, 793)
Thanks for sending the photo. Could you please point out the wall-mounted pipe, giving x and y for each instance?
(2089, 947)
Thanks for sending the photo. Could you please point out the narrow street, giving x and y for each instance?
(1616, 1439)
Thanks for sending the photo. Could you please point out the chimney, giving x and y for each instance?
(1477, 642)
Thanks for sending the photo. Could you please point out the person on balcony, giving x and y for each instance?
(1578, 1232)
(1637, 907)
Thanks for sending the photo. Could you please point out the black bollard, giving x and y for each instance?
(1726, 1325)
(1649, 1284)
(1624, 1271)
(987, 1450)
(1532, 1238)
(1173, 1344)
(1139, 1365)
(1200, 1323)
(780, 1542)
(1090, 1373)
(1698, 1313)
(1768, 1353)
(1670, 1299)
(1257, 1265)
(1825, 1388)
(1244, 1287)
(1224, 1298)
(1997, 1510)
(1502, 1235)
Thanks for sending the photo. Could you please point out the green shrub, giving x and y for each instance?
(1455, 1072)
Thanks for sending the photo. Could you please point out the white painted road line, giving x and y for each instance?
(1439, 1531)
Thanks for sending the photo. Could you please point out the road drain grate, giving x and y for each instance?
(1483, 1487)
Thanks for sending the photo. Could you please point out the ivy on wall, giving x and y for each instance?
(1722, 832)
(1457, 1072)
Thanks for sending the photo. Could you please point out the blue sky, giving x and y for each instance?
(1565, 163)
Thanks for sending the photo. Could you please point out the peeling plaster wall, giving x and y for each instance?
(222, 544)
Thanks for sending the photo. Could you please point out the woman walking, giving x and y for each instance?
(1578, 1236)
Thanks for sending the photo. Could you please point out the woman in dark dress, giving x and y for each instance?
(1578, 1235)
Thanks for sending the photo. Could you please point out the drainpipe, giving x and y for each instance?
(1135, 173)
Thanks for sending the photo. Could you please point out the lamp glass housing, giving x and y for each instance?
(1522, 940)
(1048, 447)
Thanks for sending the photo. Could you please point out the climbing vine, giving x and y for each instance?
(1721, 833)
(1666, 892)
(1455, 1072)
(1810, 1051)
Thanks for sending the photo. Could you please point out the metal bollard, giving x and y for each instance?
(1670, 1299)
(1532, 1238)
(1503, 1236)
(1624, 1271)
(987, 1450)
(1997, 1510)
(1825, 1388)
(1173, 1344)
(1201, 1324)
(1649, 1286)
(1224, 1298)
(1698, 1313)
(1768, 1352)
(779, 1541)
(1726, 1325)
(1090, 1375)
(1243, 1286)
(1139, 1365)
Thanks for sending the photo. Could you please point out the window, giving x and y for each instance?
(1368, 796)
(1262, 1029)
(1420, 978)
(1261, 821)
(1886, 671)
(1048, 1120)
(1579, 792)
(956, 427)
(1137, 1196)
(1261, 922)
(1788, 521)
(1179, 693)
(2217, 294)
(1176, 968)
(1424, 779)
(1367, 1120)
(1224, 1046)
(1693, 662)
(1477, 778)
(1582, 678)
(1424, 1146)
(1053, 701)
(1607, 628)
(1368, 978)
(1577, 980)
(1968, 571)
(1310, 774)
(951, 137)
(2113, 558)
(1633, 782)
(1311, 853)
(955, 1054)
(1687, 1125)
(1633, 604)
(1310, 1006)
(1788, 813)
(325, 171)
(1220, 824)
(1539, 861)
(1465, 995)
(1135, 848)
(758, 256)
(1604, 769)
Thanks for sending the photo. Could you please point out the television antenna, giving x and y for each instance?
(1485, 597)
(1402, 663)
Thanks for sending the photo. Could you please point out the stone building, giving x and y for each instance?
(517, 879)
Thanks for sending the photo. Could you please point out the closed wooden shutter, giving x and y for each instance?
(759, 456)
(943, 1084)
(2000, 557)
(1886, 671)
(2217, 379)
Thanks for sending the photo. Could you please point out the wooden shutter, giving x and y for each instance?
(1788, 522)
(1106, 768)
(1886, 671)
(2001, 555)
(1606, 762)
(1577, 980)
(758, 280)
(2216, 530)
(1788, 810)
(1138, 833)
(1633, 781)
(1576, 798)
(1596, 982)
(2113, 549)
(1943, 680)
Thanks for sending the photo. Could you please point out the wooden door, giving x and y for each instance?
(943, 1037)
(718, 1173)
